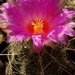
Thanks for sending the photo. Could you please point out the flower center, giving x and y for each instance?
(38, 25)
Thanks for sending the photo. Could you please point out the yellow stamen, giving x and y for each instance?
(38, 26)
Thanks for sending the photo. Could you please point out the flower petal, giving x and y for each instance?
(49, 43)
(71, 24)
(39, 7)
(17, 30)
(64, 16)
(69, 31)
(18, 38)
(63, 38)
(68, 12)
(37, 43)
(53, 35)
(12, 17)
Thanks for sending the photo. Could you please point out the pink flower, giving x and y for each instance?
(41, 20)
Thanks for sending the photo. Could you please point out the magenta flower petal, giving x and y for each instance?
(71, 24)
(18, 38)
(12, 17)
(68, 12)
(69, 31)
(53, 35)
(59, 34)
(64, 17)
(35, 6)
(63, 38)
(41, 20)
(49, 43)
(19, 30)
(37, 43)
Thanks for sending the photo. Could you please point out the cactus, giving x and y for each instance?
(23, 61)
